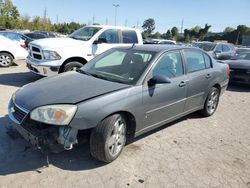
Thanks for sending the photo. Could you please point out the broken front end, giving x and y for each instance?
(43, 136)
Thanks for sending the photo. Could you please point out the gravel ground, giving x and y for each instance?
(191, 152)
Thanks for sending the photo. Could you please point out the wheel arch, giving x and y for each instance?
(8, 53)
(78, 59)
(130, 121)
(217, 86)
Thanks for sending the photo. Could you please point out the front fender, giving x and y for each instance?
(94, 110)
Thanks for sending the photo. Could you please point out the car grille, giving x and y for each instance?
(18, 113)
(35, 52)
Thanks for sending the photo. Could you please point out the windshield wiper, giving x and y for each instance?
(84, 72)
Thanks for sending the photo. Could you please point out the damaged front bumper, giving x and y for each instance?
(42, 136)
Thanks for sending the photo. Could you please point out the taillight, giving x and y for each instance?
(23, 46)
(228, 71)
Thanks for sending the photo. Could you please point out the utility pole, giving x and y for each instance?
(116, 6)
(57, 19)
(45, 14)
(182, 23)
(126, 23)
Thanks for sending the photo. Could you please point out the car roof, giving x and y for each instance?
(157, 47)
(112, 27)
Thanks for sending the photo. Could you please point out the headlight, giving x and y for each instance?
(54, 114)
(51, 55)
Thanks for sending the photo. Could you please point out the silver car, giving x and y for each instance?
(126, 91)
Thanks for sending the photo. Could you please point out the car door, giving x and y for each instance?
(199, 74)
(110, 38)
(165, 101)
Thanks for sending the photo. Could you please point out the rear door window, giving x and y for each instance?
(194, 60)
(207, 61)
(129, 36)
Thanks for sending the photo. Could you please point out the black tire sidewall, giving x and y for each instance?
(100, 136)
(11, 63)
(72, 64)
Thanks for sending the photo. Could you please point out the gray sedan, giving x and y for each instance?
(122, 92)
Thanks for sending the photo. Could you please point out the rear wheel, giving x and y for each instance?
(72, 66)
(108, 138)
(212, 102)
(6, 60)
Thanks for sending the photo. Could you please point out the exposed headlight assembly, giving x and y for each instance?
(54, 114)
(51, 55)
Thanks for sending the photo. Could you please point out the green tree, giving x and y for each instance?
(174, 32)
(157, 35)
(9, 15)
(228, 30)
(149, 26)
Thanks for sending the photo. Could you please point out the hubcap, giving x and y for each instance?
(5, 60)
(73, 68)
(117, 138)
(212, 102)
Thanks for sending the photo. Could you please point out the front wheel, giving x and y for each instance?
(72, 66)
(108, 138)
(6, 60)
(212, 102)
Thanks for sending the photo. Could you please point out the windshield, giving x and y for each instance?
(243, 56)
(119, 65)
(206, 46)
(84, 33)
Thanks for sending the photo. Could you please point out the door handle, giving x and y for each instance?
(182, 84)
(208, 76)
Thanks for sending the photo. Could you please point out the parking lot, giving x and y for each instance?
(191, 152)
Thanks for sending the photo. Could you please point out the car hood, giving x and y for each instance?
(52, 43)
(239, 64)
(67, 88)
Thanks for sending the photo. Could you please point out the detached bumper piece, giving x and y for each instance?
(42, 137)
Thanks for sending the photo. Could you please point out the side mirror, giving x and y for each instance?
(100, 40)
(159, 79)
(217, 53)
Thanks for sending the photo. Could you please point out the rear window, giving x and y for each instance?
(129, 36)
(195, 60)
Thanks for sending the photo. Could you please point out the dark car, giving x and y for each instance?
(240, 68)
(35, 36)
(240, 50)
(47, 34)
(218, 50)
(125, 91)
(17, 37)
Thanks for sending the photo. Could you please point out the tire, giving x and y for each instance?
(71, 66)
(6, 60)
(211, 102)
(108, 138)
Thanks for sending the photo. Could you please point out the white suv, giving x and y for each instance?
(55, 55)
